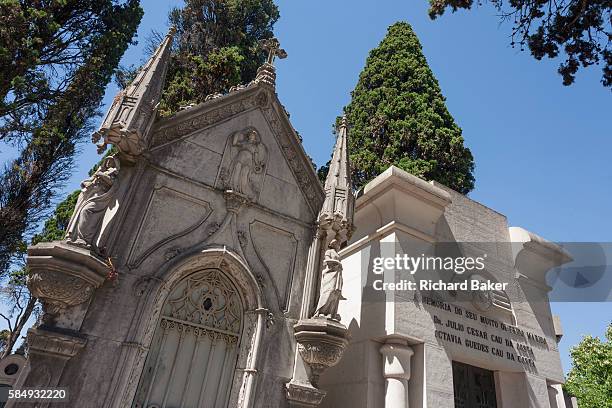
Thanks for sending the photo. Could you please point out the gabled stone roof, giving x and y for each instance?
(219, 108)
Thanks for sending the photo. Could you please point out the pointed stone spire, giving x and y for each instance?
(133, 109)
(336, 216)
(321, 338)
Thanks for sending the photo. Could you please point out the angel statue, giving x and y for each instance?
(330, 293)
(97, 193)
(248, 163)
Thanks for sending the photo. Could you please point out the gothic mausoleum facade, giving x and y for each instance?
(206, 266)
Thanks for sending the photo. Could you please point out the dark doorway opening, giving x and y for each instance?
(474, 387)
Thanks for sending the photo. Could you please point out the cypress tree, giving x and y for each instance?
(398, 117)
(42, 46)
(216, 47)
(30, 182)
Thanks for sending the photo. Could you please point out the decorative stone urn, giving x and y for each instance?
(321, 343)
(63, 275)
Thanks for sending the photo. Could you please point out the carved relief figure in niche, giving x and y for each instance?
(248, 163)
(330, 293)
(97, 193)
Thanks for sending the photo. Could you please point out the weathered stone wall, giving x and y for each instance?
(398, 214)
(174, 207)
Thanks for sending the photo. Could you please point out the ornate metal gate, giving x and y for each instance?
(195, 347)
(474, 387)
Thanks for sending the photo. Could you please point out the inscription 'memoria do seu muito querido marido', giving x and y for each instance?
(500, 340)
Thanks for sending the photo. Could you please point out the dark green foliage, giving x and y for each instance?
(124, 76)
(322, 172)
(216, 47)
(42, 46)
(55, 227)
(590, 379)
(582, 29)
(398, 117)
(29, 183)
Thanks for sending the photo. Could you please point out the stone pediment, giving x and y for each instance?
(255, 99)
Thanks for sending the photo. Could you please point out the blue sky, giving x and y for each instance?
(541, 149)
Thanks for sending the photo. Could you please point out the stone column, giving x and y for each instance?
(63, 277)
(300, 392)
(557, 398)
(396, 370)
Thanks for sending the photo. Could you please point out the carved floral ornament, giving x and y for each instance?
(321, 349)
(209, 118)
(57, 290)
(321, 356)
(207, 299)
(63, 276)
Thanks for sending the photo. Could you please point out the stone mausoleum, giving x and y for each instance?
(206, 266)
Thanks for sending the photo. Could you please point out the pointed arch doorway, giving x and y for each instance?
(194, 351)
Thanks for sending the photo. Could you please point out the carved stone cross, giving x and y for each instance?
(272, 46)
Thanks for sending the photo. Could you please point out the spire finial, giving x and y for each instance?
(336, 215)
(266, 74)
(335, 224)
(343, 121)
(134, 107)
(272, 46)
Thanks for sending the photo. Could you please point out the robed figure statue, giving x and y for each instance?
(248, 164)
(97, 193)
(330, 293)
